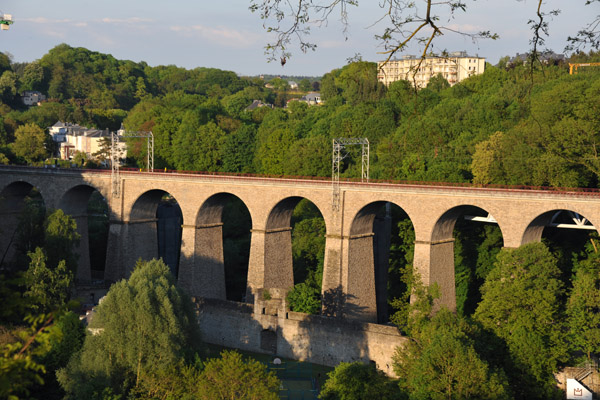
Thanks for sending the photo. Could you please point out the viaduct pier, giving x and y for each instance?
(348, 276)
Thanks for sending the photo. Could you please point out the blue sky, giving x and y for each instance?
(226, 35)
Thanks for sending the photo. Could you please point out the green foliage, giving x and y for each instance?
(440, 361)
(238, 150)
(19, 368)
(521, 305)
(198, 148)
(358, 381)
(48, 287)
(60, 237)
(583, 308)
(305, 85)
(475, 250)
(400, 264)
(230, 377)
(308, 248)
(30, 143)
(144, 325)
(33, 76)
(486, 165)
(305, 297)
(29, 362)
(438, 83)
(8, 86)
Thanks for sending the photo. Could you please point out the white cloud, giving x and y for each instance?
(131, 20)
(43, 20)
(55, 33)
(221, 35)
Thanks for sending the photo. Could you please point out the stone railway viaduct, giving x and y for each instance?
(349, 254)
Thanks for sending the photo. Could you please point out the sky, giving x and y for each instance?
(224, 34)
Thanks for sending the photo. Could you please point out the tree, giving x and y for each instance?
(60, 238)
(440, 361)
(487, 161)
(305, 85)
(438, 83)
(80, 158)
(238, 150)
(8, 86)
(33, 75)
(358, 381)
(583, 308)
(404, 21)
(305, 297)
(49, 287)
(19, 368)
(401, 23)
(198, 147)
(230, 377)
(143, 326)
(521, 305)
(30, 142)
(104, 150)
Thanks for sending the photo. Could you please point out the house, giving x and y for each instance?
(293, 85)
(74, 138)
(454, 67)
(257, 104)
(545, 57)
(312, 98)
(32, 97)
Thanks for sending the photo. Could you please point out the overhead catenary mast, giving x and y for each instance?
(115, 154)
(338, 155)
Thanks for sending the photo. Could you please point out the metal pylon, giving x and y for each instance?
(338, 154)
(115, 156)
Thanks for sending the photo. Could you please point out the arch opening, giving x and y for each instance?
(477, 241)
(88, 207)
(380, 257)
(308, 254)
(570, 236)
(23, 213)
(294, 252)
(237, 224)
(156, 221)
(221, 251)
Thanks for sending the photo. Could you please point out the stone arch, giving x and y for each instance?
(444, 226)
(74, 202)
(12, 203)
(139, 236)
(566, 233)
(271, 261)
(535, 229)
(146, 205)
(368, 256)
(437, 255)
(204, 272)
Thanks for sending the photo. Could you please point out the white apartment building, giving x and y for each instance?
(74, 138)
(455, 67)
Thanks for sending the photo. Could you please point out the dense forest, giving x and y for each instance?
(517, 124)
(520, 125)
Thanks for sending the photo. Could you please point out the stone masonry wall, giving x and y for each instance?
(322, 340)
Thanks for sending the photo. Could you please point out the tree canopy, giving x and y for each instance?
(144, 325)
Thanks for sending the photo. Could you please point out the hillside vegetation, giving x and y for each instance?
(521, 125)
